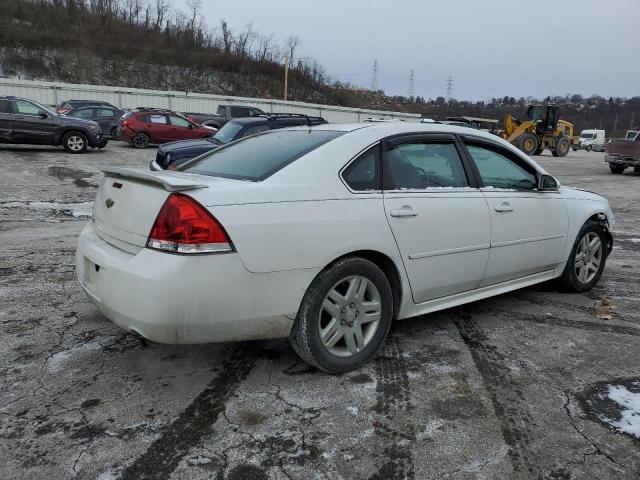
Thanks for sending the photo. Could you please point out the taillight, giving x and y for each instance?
(185, 226)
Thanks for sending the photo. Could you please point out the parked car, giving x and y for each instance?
(224, 114)
(145, 126)
(590, 140)
(69, 105)
(171, 155)
(624, 153)
(28, 122)
(326, 235)
(106, 117)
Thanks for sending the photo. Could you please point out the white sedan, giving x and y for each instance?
(327, 235)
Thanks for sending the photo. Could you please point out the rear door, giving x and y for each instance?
(529, 227)
(29, 126)
(6, 120)
(439, 218)
(158, 127)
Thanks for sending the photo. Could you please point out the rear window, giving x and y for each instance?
(257, 158)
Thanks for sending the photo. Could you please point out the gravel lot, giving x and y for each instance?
(511, 387)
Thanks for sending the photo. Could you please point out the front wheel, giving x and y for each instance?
(589, 148)
(528, 143)
(75, 142)
(587, 259)
(344, 316)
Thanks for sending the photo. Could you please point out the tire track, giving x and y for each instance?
(194, 422)
(394, 408)
(508, 401)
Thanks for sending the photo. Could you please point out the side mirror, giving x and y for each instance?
(43, 114)
(546, 183)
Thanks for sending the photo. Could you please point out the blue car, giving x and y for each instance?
(173, 154)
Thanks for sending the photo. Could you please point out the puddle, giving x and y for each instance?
(77, 210)
(615, 404)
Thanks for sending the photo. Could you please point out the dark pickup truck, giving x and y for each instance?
(623, 153)
(223, 115)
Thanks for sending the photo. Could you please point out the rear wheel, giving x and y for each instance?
(617, 169)
(140, 140)
(528, 143)
(344, 316)
(75, 142)
(538, 151)
(562, 147)
(114, 133)
(587, 259)
(103, 143)
(589, 148)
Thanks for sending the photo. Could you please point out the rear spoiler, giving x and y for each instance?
(171, 181)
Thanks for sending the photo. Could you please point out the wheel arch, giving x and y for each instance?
(388, 267)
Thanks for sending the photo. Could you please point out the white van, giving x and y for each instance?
(591, 140)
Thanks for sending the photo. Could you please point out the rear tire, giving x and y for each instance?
(528, 143)
(75, 142)
(335, 329)
(103, 143)
(562, 147)
(538, 151)
(587, 259)
(114, 133)
(140, 140)
(617, 169)
(589, 148)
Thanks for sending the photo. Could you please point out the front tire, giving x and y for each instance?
(140, 140)
(589, 148)
(344, 317)
(587, 259)
(528, 143)
(75, 142)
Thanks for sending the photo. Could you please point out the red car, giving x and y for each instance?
(144, 126)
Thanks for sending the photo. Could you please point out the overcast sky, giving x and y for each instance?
(491, 48)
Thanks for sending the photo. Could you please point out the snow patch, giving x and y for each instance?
(352, 410)
(629, 421)
(634, 240)
(77, 210)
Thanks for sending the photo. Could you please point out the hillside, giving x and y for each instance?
(148, 44)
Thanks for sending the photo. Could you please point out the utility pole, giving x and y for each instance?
(449, 88)
(374, 76)
(412, 91)
(286, 77)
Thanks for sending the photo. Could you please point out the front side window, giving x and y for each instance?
(420, 165)
(501, 170)
(257, 158)
(26, 108)
(178, 121)
(238, 112)
(364, 172)
(254, 130)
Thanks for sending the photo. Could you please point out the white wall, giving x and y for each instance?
(52, 93)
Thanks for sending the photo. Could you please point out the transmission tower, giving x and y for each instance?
(449, 88)
(374, 76)
(412, 80)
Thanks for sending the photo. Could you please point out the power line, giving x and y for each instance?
(374, 76)
(449, 88)
(412, 86)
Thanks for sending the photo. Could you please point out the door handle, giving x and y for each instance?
(504, 207)
(405, 211)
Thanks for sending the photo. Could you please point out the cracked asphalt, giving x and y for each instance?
(504, 388)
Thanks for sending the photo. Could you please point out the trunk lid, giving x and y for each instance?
(128, 203)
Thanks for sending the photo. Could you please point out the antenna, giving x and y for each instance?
(412, 91)
(449, 88)
(374, 76)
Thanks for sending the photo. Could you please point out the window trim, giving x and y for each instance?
(435, 137)
(356, 157)
(496, 147)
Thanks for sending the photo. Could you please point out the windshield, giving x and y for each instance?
(228, 132)
(588, 136)
(258, 157)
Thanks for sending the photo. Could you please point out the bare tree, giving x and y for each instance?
(162, 9)
(290, 46)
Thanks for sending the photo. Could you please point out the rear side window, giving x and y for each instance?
(4, 106)
(364, 172)
(158, 119)
(257, 158)
(105, 113)
(240, 112)
(255, 130)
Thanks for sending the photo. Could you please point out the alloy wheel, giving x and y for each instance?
(350, 316)
(75, 143)
(588, 257)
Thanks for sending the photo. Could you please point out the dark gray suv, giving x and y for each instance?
(27, 122)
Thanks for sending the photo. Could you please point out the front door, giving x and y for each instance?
(529, 227)
(29, 126)
(439, 218)
(181, 128)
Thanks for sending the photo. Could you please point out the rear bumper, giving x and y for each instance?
(182, 299)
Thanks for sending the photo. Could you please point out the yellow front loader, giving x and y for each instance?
(542, 129)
